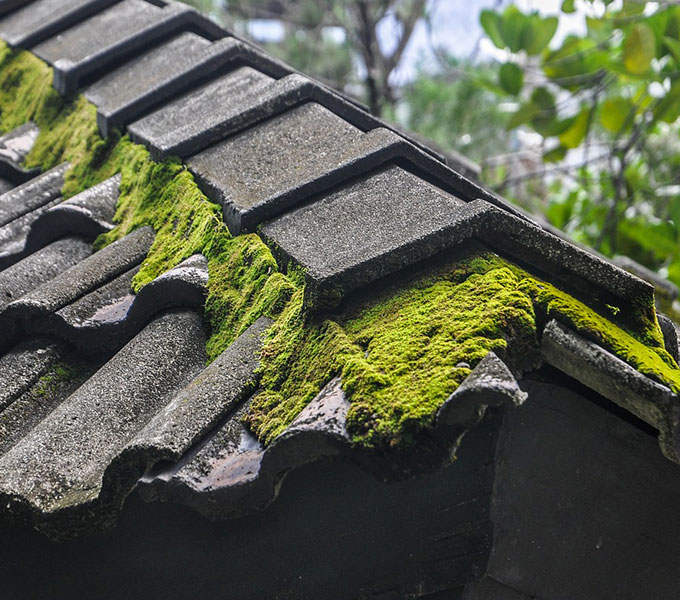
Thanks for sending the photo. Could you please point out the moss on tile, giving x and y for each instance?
(58, 376)
(400, 354)
(403, 353)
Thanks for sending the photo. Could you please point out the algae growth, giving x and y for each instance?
(400, 354)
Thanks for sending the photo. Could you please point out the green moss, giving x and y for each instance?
(59, 375)
(400, 354)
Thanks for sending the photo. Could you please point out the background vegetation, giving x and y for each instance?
(581, 130)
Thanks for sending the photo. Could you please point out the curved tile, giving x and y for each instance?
(106, 318)
(22, 366)
(57, 475)
(31, 195)
(87, 214)
(83, 277)
(14, 147)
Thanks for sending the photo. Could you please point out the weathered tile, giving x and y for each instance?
(83, 277)
(42, 19)
(107, 317)
(277, 156)
(14, 146)
(40, 267)
(13, 236)
(31, 195)
(7, 6)
(22, 366)
(233, 474)
(92, 46)
(199, 119)
(62, 461)
(213, 394)
(367, 229)
(170, 129)
(86, 214)
(161, 73)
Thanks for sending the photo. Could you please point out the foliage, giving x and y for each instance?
(437, 105)
(606, 105)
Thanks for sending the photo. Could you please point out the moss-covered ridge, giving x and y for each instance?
(400, 353)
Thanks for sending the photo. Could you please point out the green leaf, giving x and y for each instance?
(537, 33)
(572, 137)
(639, 48)
(568, 6)
(614, 112)
(524, 114)
(511, 78)
(545, 115)
(668, 108)
(632, 8)
(673, 46)
(491, 23)
(556, 154)
(512, 27)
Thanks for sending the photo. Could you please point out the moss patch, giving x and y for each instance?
(400, 354)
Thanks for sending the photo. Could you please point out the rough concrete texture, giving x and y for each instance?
(64, 461)
(143, 75)
(42, 19)
(175, 66)
(40, 267)
(211, 397)
(328, 237)
(196, 121)
(671, 338)
(662, 286)
(14, 146)
(268, 163)
(110, 36)
(40, 397)
(489, 384)
(617, 381)
(84, 276)
(31, 195)
(13, 242)
(368, 228)
(87, 214)
(22, 366)
(179, 127)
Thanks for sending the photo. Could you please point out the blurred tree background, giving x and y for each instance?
(579, 128)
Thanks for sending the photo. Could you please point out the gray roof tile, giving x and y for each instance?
(129, 91)
(109, 36)
(31, 195)
(40, 267)
(63, 460)
(14, 147)
(263, 163)
(83, 277)
(168, 130)
(42, 19)
(86, 214)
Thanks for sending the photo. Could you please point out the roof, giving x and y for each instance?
(339, 229)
